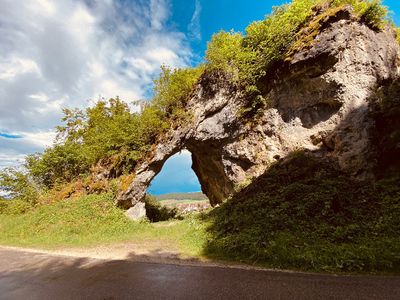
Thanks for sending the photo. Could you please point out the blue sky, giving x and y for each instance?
(68, 53)
(216, 15)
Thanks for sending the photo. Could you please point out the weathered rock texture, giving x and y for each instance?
(136, 212)
(319, 102)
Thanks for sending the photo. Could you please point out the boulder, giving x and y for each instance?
(136, 212)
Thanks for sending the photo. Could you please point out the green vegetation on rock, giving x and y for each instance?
(110, 131)
(248, 58)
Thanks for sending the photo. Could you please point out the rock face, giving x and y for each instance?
(319, 102)
(136, 212)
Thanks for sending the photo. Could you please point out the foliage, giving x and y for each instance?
(304, 214)
(156, 213)
(172, 90)
(18, 185)
(372, 12)
(398, 34)
(248, 58)
(225, 52)
(102, 130)
(110, 130)
(58, 164)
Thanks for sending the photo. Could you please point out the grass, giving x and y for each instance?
(300, 215)
(303, 214)
(93, 220)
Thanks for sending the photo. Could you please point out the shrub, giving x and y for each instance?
(59, 164)
(225, 52)
(18, 185)
(172, 90)
(371, 12)
(155, 212)
(15, 207)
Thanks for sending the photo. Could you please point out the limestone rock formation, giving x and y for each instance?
(136, 212)
(319, 102)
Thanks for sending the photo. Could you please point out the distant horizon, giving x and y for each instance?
(177, 193)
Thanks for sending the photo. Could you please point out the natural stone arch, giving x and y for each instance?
(211, 137)
(207, 164)
(310, 95)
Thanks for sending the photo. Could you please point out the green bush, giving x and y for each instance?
(156, 212)
(172, 90)
(225, 52)
(398, 34)
(372, 12)
(15, 207)
(18, 185)
(58, 164)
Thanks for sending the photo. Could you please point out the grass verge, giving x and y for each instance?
(93, 220)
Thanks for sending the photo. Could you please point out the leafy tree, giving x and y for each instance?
(110, 129)
(58, 164)
(18, 185)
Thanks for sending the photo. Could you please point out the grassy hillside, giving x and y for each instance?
(304, 214)
(93, 220)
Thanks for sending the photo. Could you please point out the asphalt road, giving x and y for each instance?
(25, 275)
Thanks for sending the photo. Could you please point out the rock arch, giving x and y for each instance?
(310, 96)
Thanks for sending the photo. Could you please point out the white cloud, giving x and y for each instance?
(40, 139)
(194, 25)
(57, 53)
(159, 12)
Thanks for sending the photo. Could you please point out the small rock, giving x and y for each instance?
(137, 212)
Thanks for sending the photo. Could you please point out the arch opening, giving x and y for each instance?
(177, 185)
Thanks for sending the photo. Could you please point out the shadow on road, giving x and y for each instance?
(41, 276)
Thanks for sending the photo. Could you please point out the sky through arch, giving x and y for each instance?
(176, 176)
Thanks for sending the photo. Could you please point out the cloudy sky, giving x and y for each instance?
(68, 53)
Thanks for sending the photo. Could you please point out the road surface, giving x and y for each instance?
(27, 275)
